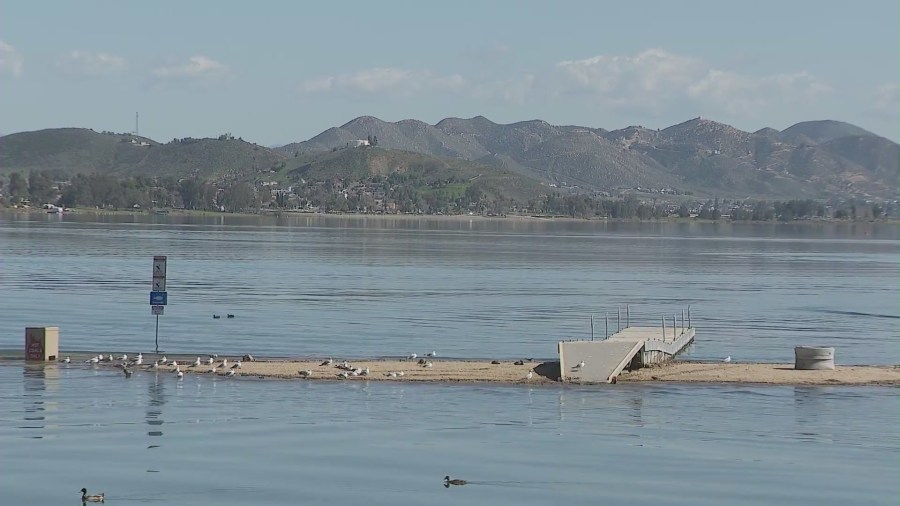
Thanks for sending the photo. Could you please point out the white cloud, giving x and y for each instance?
(887, 101)
(92, 64)
(386, 80)
(197, 68)
(11, 60)
(655, 81)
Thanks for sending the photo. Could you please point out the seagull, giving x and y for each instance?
(139, 360)
(237, 365)
(365, 372)
(196, 363)
(179, 374)
(327, 362)
(67, 360)
(727, 359)
(213, 370)
(163, 360)
(412, 357)
(427, 364)
(224, 363)
(156, 365)
(209, 361)
(529, 375)
(109, 358)
(305, 374)
(174, 364)
(432, 354)
(580, 365)
(127, 372)
(400, 373)
(230, 373)
(249, 358)
(92, 360)
(343, 375)
(124, 357)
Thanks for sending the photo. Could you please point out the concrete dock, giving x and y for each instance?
(602, 361)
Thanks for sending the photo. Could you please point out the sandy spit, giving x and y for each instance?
(774, 374)
(507, 371)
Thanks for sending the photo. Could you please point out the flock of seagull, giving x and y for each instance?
(215, 366)
(229, 369)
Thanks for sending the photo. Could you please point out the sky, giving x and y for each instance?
(280, 72)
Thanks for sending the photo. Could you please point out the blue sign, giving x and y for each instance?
(158, 298)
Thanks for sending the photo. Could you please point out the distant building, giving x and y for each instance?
(358, 143)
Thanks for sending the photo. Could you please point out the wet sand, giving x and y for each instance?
(483, 371)
(774, 374)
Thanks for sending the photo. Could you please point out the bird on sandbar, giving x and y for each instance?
(305, 374)
(432, 354)
(93, 497)
(519, 362)
(448, 481)
(727, 359)
(179, 374)
(209, 361)
(230, 373)
(327, 362)
(196, 363)
(579, 365)
(529, 375)
(67, 360)
(412, 357)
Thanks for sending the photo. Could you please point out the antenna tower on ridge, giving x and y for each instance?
(136, 129)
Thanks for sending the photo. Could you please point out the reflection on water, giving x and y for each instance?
(155, 400)
(34, 384)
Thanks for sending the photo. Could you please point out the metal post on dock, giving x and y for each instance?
(682, 320)
(627, 316)
(618, 316)
(689, 318)
(663, 318)
(607, 325)
(592, 327)
(674, 330)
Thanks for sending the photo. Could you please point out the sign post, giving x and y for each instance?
(158, 295)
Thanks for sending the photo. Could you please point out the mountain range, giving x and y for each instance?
(812, 159)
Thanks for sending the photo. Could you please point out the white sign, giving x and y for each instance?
(159, 266)
(157, 310)
(159, 284)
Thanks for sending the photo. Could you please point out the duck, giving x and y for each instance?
(216, 317)
(229, 315)
(93, 497)
(127, 372)
(519, 362)
(448, 481)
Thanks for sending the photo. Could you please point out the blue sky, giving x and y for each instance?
(278, 72)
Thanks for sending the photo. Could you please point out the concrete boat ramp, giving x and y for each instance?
(632, 347)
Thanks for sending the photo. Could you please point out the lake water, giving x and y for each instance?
(355, 287)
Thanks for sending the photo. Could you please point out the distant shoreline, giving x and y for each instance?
(440, 217)
(508, 371)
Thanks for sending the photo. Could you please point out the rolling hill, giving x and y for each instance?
(811, 159)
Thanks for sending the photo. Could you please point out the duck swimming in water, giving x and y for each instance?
(448, 482)
(92, 498)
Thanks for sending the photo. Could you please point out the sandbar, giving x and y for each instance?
(543, 372)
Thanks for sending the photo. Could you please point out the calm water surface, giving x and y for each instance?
(316, 286)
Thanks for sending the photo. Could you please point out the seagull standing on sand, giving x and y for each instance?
(412, 357)
(529, 375)
(327, 362)
(196, 363)
(230, 373)
(432, 354)
(580, 365)
(727, 359)
(305, 374)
